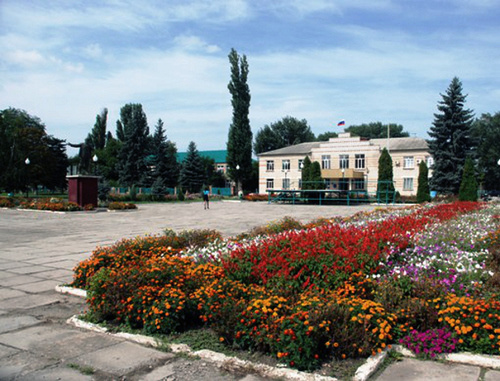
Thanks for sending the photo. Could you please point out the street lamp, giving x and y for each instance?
(94, 159)
(27, 162)
(238, 179)
(285, 183)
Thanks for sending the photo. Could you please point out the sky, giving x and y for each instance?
(320, 60)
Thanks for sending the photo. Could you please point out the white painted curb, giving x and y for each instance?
(71, 291)
(221, 360)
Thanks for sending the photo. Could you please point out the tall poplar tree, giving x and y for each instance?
(239, 145)
(451, 140)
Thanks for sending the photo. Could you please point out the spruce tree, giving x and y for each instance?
(385, 186)
(132, 165)
(450, 141)
(165, 160)
(468, 186)
(423, 191)
(192, 171)
(239, 144)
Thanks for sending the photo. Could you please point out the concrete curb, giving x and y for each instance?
(71, 291)
(222, 361)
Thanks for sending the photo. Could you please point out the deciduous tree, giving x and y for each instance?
(283, 133)
(239, 144)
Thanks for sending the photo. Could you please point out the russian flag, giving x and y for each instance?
(341, 123)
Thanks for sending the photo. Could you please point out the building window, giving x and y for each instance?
(343, 161)
(359, 184)
(286, 183)
(430, 161)
(408, 183)
(301, 164)
(325, 162)
(220, 167)
(408, 162)
(285, 165)
(270, 183)
(270, 166)
(360, 161)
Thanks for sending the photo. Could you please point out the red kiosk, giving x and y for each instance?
(82, 189)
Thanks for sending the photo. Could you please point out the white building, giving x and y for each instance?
(347, 163)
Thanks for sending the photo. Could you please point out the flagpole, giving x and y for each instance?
(388, 139)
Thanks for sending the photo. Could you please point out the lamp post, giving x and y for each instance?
(27, 162)
(238, 179)
(285, 185)
(343, 179)
(94, 159)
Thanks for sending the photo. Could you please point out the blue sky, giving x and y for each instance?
(320, 60)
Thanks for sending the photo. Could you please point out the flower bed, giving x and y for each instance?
(330, 289)
(54, 205)
(118, 205)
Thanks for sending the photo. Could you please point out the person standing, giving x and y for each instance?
(206, 203)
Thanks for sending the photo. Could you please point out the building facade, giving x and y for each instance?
(347, 163)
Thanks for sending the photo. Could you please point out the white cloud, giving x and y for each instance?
(24, 57)
(93, 51)
(194, 43)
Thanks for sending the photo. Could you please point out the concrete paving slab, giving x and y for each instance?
(57, 374)
(418, 370)
(7, 293)
(74, 346)
(12, 265)
(37, 338)
(492, 375)
(25, 270)
(30, 301)
(53, 273)
(160, 373)
(122, 358)
(6, 274)
(7, 351)
(20, 364)
(37, 287)
(18, 279)
(12, 323)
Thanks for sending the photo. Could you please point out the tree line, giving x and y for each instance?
(135, 156)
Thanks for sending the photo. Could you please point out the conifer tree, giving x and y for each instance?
(423, 191)
(239, 144)
(192, 171)
(132, 165)
(468, 186)
(385, 186)
(306, 173)
(316, 181)
(166, 172)
(450, 141)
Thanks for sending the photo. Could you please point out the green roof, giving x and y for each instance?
(219, 156)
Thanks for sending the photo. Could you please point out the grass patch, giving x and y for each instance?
(86, 370)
